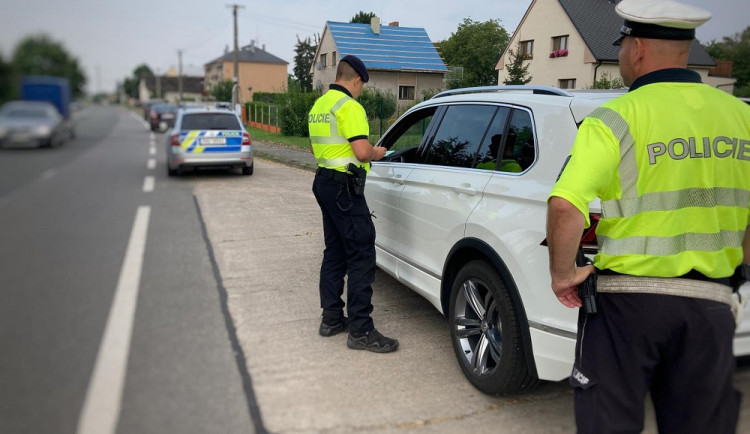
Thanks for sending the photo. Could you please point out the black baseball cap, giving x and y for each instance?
(358, 66)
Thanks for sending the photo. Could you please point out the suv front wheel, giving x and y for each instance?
(486, 333)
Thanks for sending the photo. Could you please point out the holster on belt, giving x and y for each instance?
(357, 178)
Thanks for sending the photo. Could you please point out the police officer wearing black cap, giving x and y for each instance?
(670, 162)
(339, 134)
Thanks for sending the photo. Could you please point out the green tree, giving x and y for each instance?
(518, 73)
(475, 46)
(40, 55)
(363, 17)
(7, 82)
(737, 50)
(303, 61)
(222, 91)
(608, 82)
(131, 84)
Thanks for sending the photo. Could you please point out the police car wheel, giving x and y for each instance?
(248, 170)
(486, 333)
(173, 172)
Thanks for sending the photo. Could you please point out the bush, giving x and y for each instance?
(293, 110)
(608, 82)
(266, 97)
(378, 104)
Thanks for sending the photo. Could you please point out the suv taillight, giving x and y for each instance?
(588, 240)
(245, 138)
(174, 139)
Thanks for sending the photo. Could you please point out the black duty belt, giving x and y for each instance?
(691, 275)
(337, 176)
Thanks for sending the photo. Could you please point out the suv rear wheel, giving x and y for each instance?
(486, 333)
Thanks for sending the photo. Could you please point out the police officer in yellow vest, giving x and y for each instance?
(339, 135)
(670, 161)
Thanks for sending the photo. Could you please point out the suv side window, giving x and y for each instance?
(459, 136)
(519, 151)
(493, 141)
(403, 141)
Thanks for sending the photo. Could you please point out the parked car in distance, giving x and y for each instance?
(147, 107)
(162, 116)
(32, 124)
(460, 202)
(208, 137)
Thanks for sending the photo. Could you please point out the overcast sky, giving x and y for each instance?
(110, 38)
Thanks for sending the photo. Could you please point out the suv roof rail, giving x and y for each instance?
(540, 90)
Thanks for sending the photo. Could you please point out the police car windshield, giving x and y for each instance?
(210, 121)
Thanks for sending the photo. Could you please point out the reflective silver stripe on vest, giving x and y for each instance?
(666, 286)
(337, 162)
(631, 204)
(327, 140)
(671, 200)
(664, 246)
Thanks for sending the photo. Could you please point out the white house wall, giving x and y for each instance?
(547, 19)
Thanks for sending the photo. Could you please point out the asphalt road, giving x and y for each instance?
(68, 258)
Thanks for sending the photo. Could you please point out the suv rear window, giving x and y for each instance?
(210, 121)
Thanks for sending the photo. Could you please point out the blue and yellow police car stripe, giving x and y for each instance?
(190, 141)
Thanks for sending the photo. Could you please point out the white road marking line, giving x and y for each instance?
(151, 163)
(143, 122)
(47, 174)
(101, 408)
(148, 184)
(152, 150)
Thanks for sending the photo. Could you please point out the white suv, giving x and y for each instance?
(460, 204)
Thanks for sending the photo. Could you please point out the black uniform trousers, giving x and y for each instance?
(677, 348)
(349, 251)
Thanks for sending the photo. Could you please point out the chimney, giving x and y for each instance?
(226, 49)
(264, 47)
(375, 24)
(393, 24)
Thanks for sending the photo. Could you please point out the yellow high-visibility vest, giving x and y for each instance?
(675, 190)
(334, 119)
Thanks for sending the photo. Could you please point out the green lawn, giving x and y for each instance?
(265, 136)
(299, 142)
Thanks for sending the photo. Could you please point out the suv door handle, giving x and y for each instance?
(398, 179)
(465, 189)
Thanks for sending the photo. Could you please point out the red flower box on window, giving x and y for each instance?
(558, 53)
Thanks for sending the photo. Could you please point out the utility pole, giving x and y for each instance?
(236, 80)
(179, 74)
(158, 83)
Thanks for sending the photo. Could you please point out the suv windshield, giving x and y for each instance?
(210, 121)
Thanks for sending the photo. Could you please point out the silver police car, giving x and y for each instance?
(208, 137)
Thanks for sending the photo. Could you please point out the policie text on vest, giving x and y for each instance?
(314, 118)
(722, 147)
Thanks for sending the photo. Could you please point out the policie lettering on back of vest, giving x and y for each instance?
(316, 118)
(721, 147)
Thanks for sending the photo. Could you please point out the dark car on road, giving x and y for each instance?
(162, 116)
(147, 107)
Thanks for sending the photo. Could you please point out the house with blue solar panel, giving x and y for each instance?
(400, 60)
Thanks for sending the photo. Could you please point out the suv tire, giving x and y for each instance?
(486, 333)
